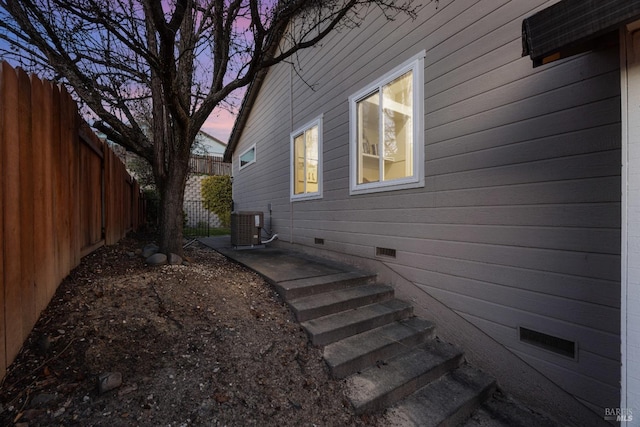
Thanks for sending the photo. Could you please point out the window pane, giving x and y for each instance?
(312, 159)
(248, 157)
(369, 139)
(397, 110)
(299, 164)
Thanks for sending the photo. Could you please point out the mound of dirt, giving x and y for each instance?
(209, 343)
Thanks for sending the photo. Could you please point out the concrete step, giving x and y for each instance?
(448, 401)
(392, 380)
(298, 288)
(311, 307)
(361, 351)
(501, 410)
(327, 329)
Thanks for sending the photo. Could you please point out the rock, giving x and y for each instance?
(149, 250)
(31, 414)
(131, 254)
(174, 259)
(43, 399)
(108, 381)
(157, 259)
(44, 344)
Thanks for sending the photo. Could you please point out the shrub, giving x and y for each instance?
(216, 193)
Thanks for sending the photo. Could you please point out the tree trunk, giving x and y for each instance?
(171, 189)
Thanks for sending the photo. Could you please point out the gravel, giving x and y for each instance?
(210, 343)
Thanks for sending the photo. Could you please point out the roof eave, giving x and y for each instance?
(571, 26)
(243, 115)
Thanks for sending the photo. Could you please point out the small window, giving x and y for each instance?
(248, 157)
(306, 161)
(387, 131)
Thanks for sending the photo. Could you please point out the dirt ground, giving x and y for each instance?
(205, 344)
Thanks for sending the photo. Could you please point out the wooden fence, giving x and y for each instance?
(63, 193)
(209, 165)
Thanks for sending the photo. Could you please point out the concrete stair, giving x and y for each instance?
(327, 329)
(291, 289)
(324, 304)
(392, 362)
(356, 353)
(447, 401)
(390, 358)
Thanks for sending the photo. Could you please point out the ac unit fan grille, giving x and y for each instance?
(245, 228)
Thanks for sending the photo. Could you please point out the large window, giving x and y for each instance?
(387, 131)
(306, 161)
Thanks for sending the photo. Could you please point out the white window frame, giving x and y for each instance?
(416, 65)
(240, 165)
(306, 196)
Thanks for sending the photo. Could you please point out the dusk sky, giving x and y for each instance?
(219, 124)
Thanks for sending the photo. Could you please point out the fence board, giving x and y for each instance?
(50, 265)
(74, 190)
(65, 219)
(27, 272)
(11, 206)
(56, 165)
(39, 193)
(3, 355)
(61, 196)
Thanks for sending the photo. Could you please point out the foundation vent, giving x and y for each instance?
(386, 252)
(318, 241)
(548, 342)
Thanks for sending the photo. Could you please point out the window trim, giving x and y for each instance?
(240, 165)
(415, 64)
(305, 196)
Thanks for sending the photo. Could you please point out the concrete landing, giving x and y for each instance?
(277, 265)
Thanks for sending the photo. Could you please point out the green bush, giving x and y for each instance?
(216, 193)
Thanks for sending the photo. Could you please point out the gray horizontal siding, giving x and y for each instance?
(269, 175)
(597, 388)
(519, 220)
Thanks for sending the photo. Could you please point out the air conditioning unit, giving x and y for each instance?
(246, 228)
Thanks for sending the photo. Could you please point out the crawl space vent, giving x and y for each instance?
(391, 253)
(318, 241)
(548, 342)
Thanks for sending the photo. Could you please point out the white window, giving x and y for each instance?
(247, 157)
(306, 161)
(387, 131)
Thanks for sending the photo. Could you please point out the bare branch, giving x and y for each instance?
(153, 71)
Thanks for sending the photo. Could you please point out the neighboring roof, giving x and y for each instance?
(212, 137)
(563, 28)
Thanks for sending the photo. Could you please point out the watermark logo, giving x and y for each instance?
(618, 414)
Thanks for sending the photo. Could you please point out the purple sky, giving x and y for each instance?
(219, 124)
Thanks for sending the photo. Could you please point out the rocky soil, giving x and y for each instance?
(209, 343)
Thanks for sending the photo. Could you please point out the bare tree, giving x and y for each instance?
(184, 57)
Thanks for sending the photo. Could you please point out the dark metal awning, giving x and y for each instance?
(571, 26)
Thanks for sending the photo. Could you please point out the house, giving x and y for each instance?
(486, 186)
(208, 144)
